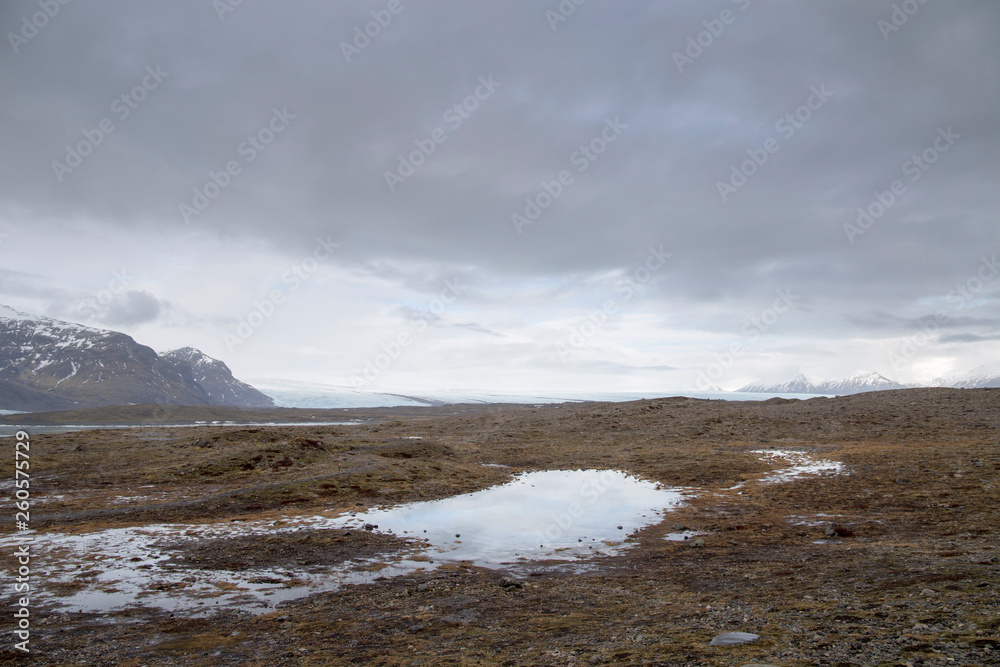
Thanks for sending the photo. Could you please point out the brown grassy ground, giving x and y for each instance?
(910, 580)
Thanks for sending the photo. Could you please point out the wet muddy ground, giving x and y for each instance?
(889, 557)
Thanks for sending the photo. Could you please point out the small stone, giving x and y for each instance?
(416, 628)
(733, 639)
(369, 527)
(509, 582)
(423, 587)
(833, 530)
(678, 526)
(619, 528)
(597, 659)
(697, 543)
(929, 593)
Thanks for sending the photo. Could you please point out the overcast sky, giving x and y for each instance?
(514, 195)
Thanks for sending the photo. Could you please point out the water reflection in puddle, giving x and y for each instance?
(552, 516)
(562, 519)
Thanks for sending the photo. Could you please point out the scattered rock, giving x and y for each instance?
(697, 543)
(509, 582)
(833, 530)
(423, 587)
(597, 659)
(733, 639)
(461, 617)
(370, 527)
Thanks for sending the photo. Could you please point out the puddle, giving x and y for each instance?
(802, 464)
(552, 514)
(558, 519)
(122, 567)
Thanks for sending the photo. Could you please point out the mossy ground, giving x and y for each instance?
(912, 579)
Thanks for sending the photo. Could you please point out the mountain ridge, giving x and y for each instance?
(864, 380)
(980, 377)
(49, 364)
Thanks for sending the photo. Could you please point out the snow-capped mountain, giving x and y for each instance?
(216, 380)
(986, 375)
(858, 382)
(800, 384)
(48, 364)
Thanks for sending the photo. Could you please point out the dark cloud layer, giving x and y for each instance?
(844, 100)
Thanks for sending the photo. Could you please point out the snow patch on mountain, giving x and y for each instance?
(48, 364)
(799, 384)
(982, 376)
(858, 382)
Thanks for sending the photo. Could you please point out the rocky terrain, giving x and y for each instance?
(894, 561)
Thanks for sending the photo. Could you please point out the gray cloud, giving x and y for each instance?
(208, 85)
(968, 338)
(131, 308)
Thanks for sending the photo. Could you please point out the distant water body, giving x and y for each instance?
(322, 397)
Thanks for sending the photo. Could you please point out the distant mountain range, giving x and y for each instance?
(986, 375)
(862, 381)
(48, 364)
